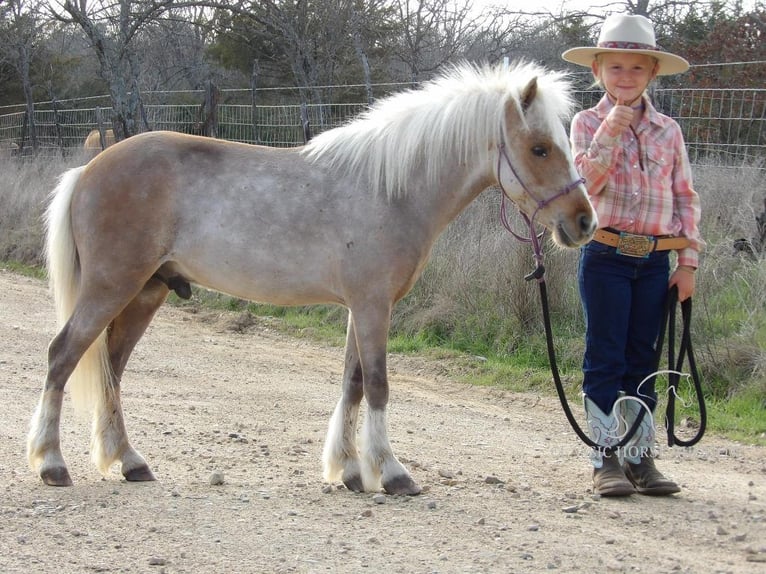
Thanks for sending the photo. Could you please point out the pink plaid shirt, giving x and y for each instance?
(639, 186)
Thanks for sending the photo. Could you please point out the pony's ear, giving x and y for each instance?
(529, 93)
(515, 111)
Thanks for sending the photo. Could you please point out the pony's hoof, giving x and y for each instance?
(57, 476)
(402, 484)
(139, 474)
(354, 483)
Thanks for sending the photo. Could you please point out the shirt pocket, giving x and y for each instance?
(659, 164)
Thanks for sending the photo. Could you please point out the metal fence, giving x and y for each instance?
(720, 124)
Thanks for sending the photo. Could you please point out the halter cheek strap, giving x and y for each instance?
(534, 238)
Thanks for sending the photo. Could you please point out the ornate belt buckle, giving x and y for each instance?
(635, 245)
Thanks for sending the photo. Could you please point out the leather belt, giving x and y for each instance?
(638, 245)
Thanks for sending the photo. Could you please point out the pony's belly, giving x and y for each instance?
(278, 286)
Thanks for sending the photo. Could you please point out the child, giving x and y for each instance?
(638, 177)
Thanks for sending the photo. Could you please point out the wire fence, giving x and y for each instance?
(726, 124)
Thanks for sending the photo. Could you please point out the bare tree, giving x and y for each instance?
(113, 28)
(20, 42)
(174, 49)
(434, 32)
(372, 22)
(314, 38)
(321, 43)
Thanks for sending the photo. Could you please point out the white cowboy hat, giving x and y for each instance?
(628, 33)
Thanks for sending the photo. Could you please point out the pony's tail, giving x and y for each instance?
(91, 381)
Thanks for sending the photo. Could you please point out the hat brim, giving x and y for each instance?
(669, 63)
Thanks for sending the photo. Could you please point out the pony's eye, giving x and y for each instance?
(540, 151)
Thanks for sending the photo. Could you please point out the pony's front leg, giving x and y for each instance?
(340, 455)
(379, 465)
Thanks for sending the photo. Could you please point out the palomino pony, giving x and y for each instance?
(8, 149)
(348, 219)
(93, 144)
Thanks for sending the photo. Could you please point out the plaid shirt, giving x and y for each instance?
(639, 182)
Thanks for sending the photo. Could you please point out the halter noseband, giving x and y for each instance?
(533, 238)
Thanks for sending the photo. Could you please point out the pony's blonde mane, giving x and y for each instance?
(456, 117)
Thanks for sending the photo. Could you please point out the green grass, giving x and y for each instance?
(741, 417)
(325, 323)
(24, 269)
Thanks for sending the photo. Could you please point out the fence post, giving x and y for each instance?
(253, 101)
(23, 132)
(305, 123)
(57, 123)
(101, 131)
(144, 119)
(210, 125)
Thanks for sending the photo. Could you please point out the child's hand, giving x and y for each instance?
(683, 278)
(619, 117)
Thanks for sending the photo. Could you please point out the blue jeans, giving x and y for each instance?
(624, 302)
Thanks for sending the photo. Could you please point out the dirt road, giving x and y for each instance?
(506, 482)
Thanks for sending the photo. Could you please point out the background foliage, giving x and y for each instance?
(64, 49)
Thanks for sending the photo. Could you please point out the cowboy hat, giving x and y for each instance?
(627, 33)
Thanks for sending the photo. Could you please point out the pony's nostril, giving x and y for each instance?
(585, 222)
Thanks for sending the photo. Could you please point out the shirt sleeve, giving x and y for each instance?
(595, 148)
(686, 204)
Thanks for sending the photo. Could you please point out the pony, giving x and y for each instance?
(95, 144)
(8, 149)
(348, 219)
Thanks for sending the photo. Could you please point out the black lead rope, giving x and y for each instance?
(557, 378)
(675, 366)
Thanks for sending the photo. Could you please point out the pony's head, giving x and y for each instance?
(534, 165)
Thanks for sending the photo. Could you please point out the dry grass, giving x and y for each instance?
(24, 189)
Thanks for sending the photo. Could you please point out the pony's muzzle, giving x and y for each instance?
(578, 230)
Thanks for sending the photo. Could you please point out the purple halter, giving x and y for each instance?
(534, 238)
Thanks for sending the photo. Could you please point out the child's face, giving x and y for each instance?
(624, 76)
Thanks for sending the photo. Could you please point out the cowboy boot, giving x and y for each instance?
(608, 476)
(639, 453)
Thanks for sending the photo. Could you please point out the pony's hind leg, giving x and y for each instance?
(340, 455)
(74, 344)
(43, 442)
(110, 442)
